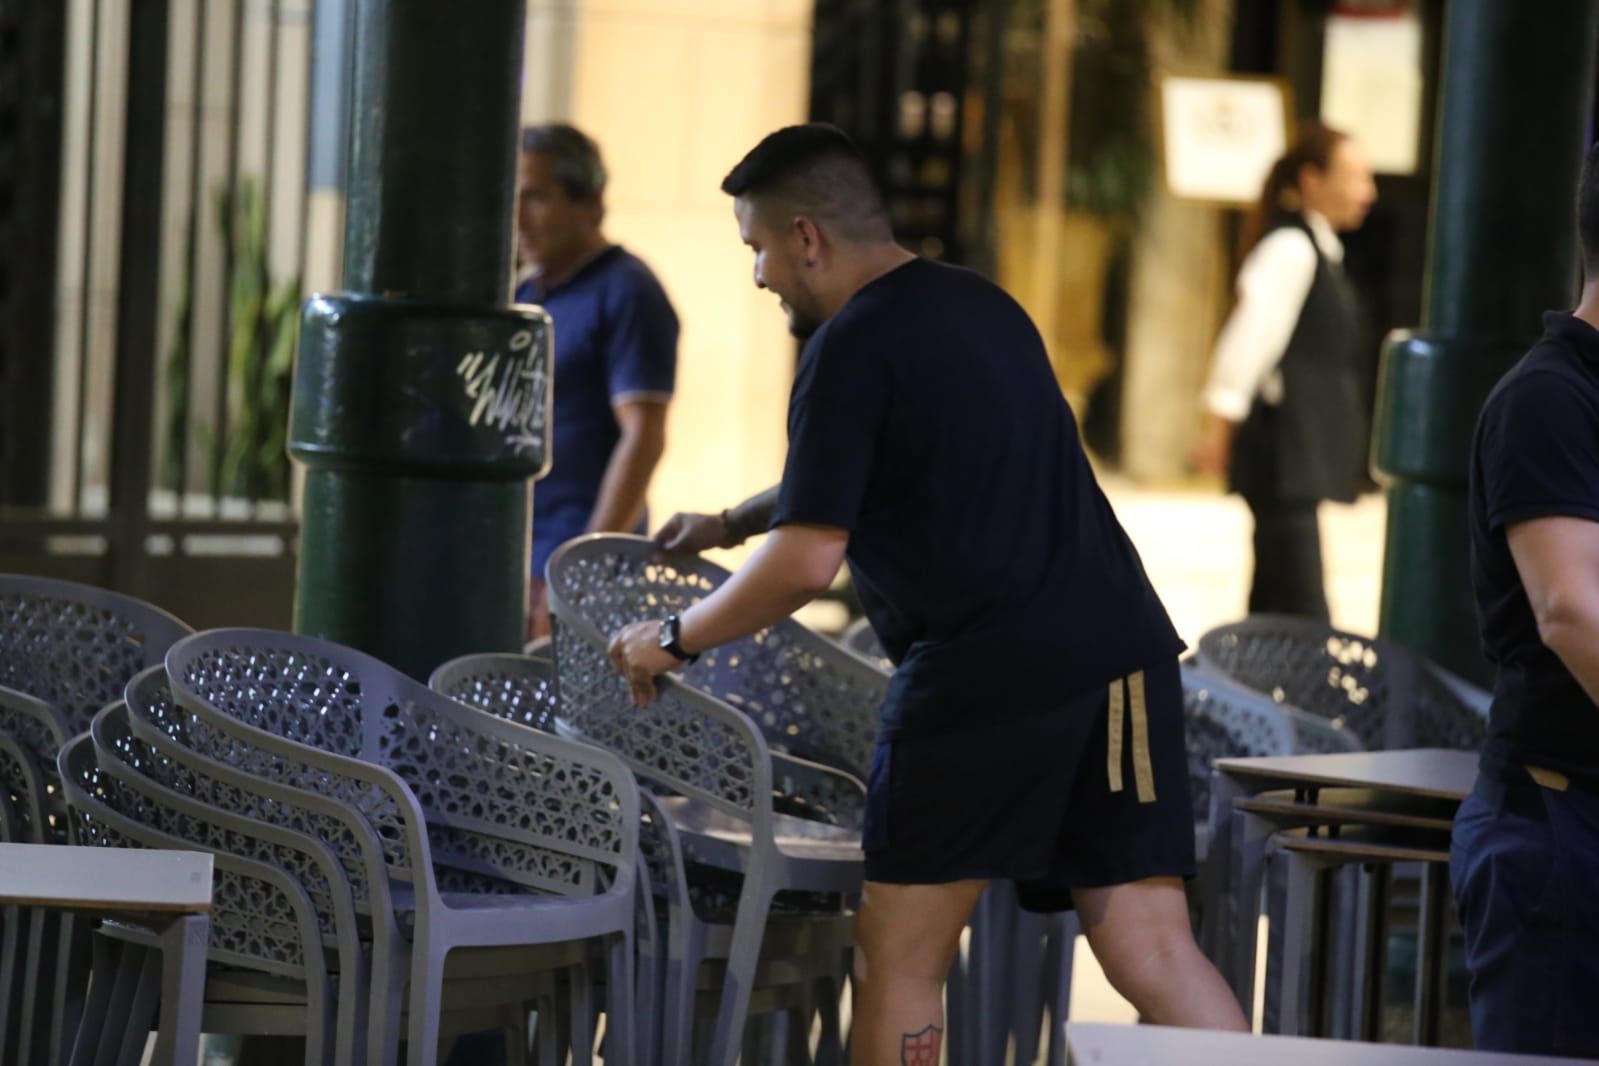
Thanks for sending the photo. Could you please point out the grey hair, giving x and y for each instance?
(578, 166)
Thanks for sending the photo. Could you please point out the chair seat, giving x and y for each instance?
(797, 838)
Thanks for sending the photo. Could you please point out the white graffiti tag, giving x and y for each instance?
(509, 391)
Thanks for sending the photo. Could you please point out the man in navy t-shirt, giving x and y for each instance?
(1033, 729)
(615, 350)
(1525, 856)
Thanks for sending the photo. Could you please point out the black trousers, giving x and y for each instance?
(1288, 571)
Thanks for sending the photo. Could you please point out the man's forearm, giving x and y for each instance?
(792, 568)
(623, 489)
(752, 517)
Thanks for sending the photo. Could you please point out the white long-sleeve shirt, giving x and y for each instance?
(1273, 284)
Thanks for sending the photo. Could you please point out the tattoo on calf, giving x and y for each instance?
(921, 1048)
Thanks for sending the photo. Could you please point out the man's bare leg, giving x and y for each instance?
(1141, 935)
(906, 937)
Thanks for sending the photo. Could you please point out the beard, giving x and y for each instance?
(802, 325)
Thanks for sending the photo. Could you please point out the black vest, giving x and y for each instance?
(1314, 444)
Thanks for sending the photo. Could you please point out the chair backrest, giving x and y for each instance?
(860, 638)
(807, 696)
(500, 800)
(160, 793)
(178, 736)
(261, 918)
(75, 646)
(685, 742)
(1386, 695)
(518, 688)
(24, 787)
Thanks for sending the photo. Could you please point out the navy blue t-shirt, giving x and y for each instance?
(1536, 455)
(615, 339)
(926, 420)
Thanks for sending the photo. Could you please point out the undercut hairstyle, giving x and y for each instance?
(814, 171)
(1588, 213)
(578, 166)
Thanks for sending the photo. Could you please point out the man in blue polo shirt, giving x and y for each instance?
(1525, 860)
(1033, 729)
(615, 350)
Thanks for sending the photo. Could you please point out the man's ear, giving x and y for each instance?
(810, 238)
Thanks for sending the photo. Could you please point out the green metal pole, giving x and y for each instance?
(420, 395)
(1518, 84)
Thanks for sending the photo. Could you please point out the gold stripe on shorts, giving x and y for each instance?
(1143, 771)
(1118, 709)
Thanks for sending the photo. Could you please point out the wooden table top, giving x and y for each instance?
(108, 879)
(1104, 1044)
(1437, 772)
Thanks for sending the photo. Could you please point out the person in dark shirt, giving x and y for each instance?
(1525, 857)
(615, 351)
(1033, 729)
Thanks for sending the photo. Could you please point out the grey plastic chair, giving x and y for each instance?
(175, 735)
(262, 920)
(1388, 696)
(72, 647)
(75, 646)
(714, 768)
(802, 946)
(161, 791)
(538, 834)
(860, 638)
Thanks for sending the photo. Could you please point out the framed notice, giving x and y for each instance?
(1221, 135)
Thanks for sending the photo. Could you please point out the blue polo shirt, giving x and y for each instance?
(615, 340)
(926, 421)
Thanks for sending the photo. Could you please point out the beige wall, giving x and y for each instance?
(675, 92)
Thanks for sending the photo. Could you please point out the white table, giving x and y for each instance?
(1103, 1044)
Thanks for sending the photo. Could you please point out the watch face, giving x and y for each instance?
(668, 633)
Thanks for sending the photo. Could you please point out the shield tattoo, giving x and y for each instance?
(921, 1049)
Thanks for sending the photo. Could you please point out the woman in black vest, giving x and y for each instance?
(1287, 420)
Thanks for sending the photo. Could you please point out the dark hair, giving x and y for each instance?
(578, 166)
(1588, 213)
(1313, 146)
(814, 170)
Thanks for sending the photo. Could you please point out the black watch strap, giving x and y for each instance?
(671, 630)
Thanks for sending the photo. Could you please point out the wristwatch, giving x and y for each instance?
(671, 629)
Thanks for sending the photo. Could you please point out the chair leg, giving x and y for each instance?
(143, 1004)
(1300, 989)
(426, 1001)
(184, 946)
(546, 1031)
(621, 1014)
(514, 1029)
(1029, 981)
(580, 1015)
(36, 968)
(12, 936)
(749, 928)
(1058, 976)
(686, 948)
(391, 964)
(66, 1008)
(1242, 907)
(96, 1000)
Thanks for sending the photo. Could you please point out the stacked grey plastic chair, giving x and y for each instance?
(1388, 696)
(66, 650)
(802, 951)
(491, 834)
(262, 920)
(712, 766)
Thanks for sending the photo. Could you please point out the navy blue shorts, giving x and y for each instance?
(1038, 800)
(1524, 863)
